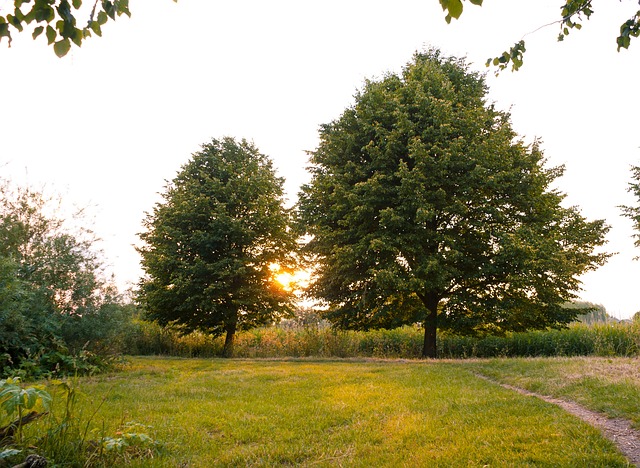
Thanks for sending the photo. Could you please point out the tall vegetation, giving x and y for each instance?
(424, 207)
(212, 245)
(614, 339)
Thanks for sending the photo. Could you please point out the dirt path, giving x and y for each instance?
(619, 431)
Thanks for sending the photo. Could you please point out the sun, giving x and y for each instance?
(290, 281)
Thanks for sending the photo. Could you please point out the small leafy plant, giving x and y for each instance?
(18, 405)
(65, 437)
(131, 441)
(18, 409)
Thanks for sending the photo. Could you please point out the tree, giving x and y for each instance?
(572, 13)
(633, 212)
(212, 245)
(590, 313)
(424, 207)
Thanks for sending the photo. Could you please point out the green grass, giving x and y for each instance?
(607, 385)
(337, 413)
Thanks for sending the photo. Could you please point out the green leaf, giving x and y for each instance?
(122, 7)
(476, 2)
(95, 27)
(77, 37)
(455, 8)
(43, 13)
(37, 31)
(76, 3)
(109, 9)
(61, 48)
(15, 22)
(102, 18)
(51, 35)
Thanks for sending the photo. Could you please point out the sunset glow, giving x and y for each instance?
(290, 281)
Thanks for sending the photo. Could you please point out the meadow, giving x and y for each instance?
(358, 412)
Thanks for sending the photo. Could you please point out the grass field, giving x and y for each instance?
(606, 385)
(353, 413)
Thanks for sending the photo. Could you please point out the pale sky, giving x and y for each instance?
(107, 125)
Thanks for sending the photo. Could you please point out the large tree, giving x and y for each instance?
(212, 244)
(424, 207)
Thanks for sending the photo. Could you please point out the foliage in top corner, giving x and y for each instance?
(59, 20)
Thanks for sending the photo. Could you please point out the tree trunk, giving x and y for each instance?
(429, 348)
(228, 341)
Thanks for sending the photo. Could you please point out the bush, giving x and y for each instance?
(57, 313)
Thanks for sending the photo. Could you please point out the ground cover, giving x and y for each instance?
(337, 413)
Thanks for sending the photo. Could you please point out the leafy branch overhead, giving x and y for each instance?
(454, 8)
(58, 20)
(573, 13)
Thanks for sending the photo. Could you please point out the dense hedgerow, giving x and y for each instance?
(620, 339)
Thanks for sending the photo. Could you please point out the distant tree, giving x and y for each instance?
(424, 207)
(212, 244)
(633, 212)
(572, 14)
(590, 313)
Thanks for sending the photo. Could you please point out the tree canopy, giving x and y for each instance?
(424, 207)
(212, 245)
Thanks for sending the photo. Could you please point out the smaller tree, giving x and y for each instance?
(211, 246)
(633, 212)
